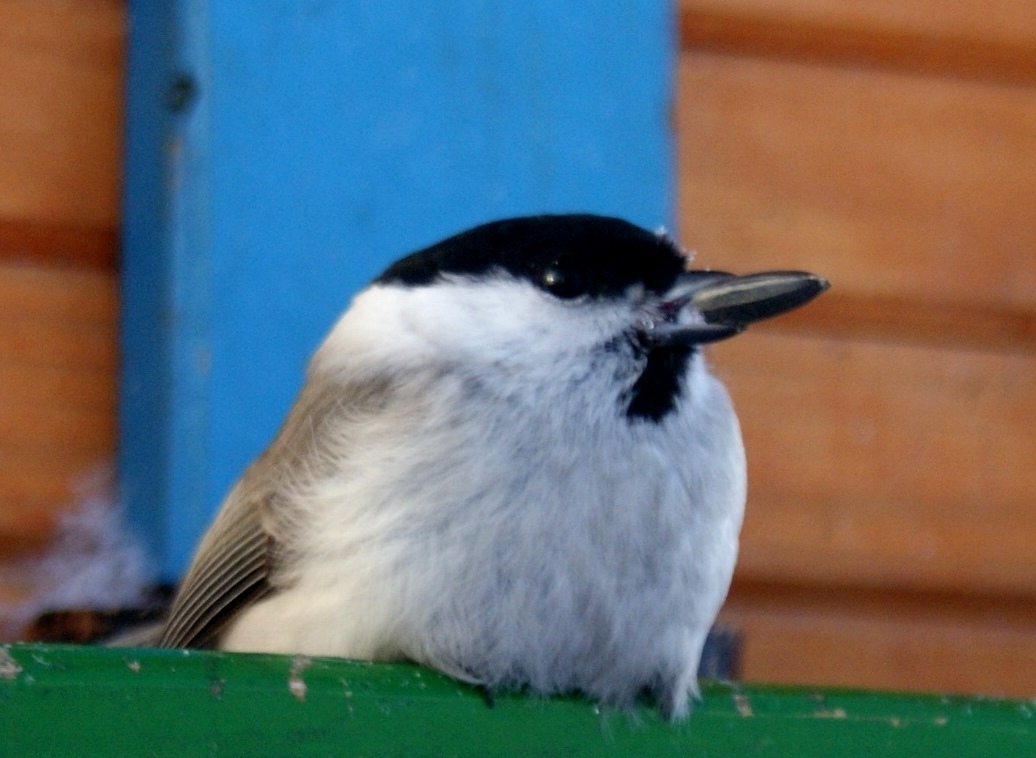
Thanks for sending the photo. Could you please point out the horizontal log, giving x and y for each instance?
(58, 244)
(965, 39)
(61, 113)
(59, 387)
(893, 641)
(37, 488)
(60, 293)
(877, 464)
(915, 189)
(50, 343)
(921, 322)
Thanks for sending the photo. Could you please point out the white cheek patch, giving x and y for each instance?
(497, 320)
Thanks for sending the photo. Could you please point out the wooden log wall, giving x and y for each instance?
(891, 146)
(61, 84)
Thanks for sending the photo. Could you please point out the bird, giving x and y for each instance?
(508, 462)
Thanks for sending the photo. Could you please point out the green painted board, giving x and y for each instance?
(86, 701)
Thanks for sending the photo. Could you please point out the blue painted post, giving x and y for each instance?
(281, 154)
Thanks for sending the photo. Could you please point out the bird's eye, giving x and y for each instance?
(562, 283)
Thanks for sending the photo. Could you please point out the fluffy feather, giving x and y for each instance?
(597, 565)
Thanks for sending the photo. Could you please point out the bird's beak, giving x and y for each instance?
(714, 305)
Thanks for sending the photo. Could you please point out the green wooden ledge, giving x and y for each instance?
(89, 701)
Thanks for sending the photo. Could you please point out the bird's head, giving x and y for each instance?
(533, 291)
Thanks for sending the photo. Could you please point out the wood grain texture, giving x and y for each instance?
(904, 187)
(1009, 22)
(889, 426)
(60, 128)
(902, 641)
(876, 464)
(58, 370)
(915, 322)
(60, 244)
(988, 41)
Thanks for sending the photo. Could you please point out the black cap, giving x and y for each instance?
(568, 255)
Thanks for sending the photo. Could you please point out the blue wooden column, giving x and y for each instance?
(279, 154)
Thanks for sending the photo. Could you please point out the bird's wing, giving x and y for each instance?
(236, 563)
(230, 571)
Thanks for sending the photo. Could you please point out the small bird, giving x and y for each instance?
(510, 463)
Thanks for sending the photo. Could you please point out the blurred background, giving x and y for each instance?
(890, 145)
